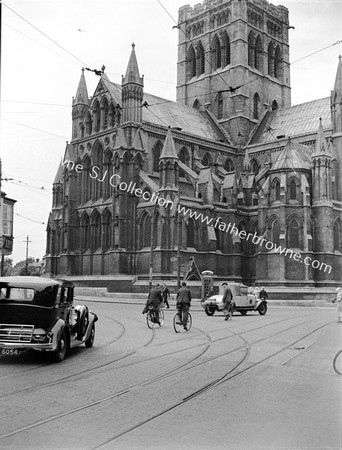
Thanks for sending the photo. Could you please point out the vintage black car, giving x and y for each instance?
(38, 314)
(243, 300)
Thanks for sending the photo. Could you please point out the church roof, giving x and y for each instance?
(294, 121)
(192, 121)
(293, 156)
(165, 113)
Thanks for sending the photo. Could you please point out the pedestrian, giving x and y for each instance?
(166, 296)
(263, 294)
(183, 303)
(338, 301)
(154, 299)
(227, 300)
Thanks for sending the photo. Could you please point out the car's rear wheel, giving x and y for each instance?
(90, 341)
(59, 354)
(209, 311)
(243, 313)
(262, 309)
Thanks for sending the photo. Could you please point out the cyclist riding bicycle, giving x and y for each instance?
(155, 299)
(183, 304)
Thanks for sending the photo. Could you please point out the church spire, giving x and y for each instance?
(82, 92)
(336, 100)
(321, 147)
(132, 92)
(132, 72)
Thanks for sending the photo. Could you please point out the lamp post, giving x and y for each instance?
(178, 242)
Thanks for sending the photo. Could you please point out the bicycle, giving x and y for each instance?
(177, 323)
(151, 317)
(337, 363)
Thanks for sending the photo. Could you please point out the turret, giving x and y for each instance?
(79, 108)
(132, 92)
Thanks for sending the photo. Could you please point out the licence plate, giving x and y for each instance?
(10, 351)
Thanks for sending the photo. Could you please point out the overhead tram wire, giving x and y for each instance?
(45, 35)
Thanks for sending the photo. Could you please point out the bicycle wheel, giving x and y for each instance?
(338, 363)
(176, 323)
(161, 317)
(150, 319)
(189, 322)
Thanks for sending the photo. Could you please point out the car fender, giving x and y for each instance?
(259, 303)
(56, 332)
(92, 319)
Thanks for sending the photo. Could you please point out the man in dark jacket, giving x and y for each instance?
(227, 301)
(183, 303)
(166, 296)
(155, 299)
(263, 294)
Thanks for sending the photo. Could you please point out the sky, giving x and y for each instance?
(44, 45)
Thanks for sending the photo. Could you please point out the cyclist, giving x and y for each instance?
(183, 304)
(155, 299)
(263, 294)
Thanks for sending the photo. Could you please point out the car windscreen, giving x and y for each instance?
(44, 297)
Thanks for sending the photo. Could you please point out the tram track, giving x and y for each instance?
(185, 366)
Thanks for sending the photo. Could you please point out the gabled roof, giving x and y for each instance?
(294, 121)
(293, 156)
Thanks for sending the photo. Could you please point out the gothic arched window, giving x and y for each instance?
(156, 155)
(277, 62)
(190, 234)
(219, 106)
(258, 54)
(200, 59)
(107, 230)
(276, 188)
(225, 50)
(270, 59)
(338, 236)
(206, 160)
(96, 231)
(228, 165)
(145, 237)
(293, 230)
(251, 49)
(216, 53)
(256, 106)
(293, 190)
(97, 116)
(276, 233)
(191, 63)
(274, 105)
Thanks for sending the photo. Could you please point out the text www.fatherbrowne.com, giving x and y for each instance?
(230, 228)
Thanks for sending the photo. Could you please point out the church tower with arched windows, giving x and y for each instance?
(234, 61)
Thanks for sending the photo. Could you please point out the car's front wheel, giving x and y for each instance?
(90, 341)
(209, 311)
(59, 354)
(262, 309)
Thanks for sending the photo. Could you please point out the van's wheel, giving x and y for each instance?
(59, 354)
(90, 341)
(262, 309)
(209, 311)
(82, 322)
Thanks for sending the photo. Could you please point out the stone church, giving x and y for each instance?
(148, 184)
